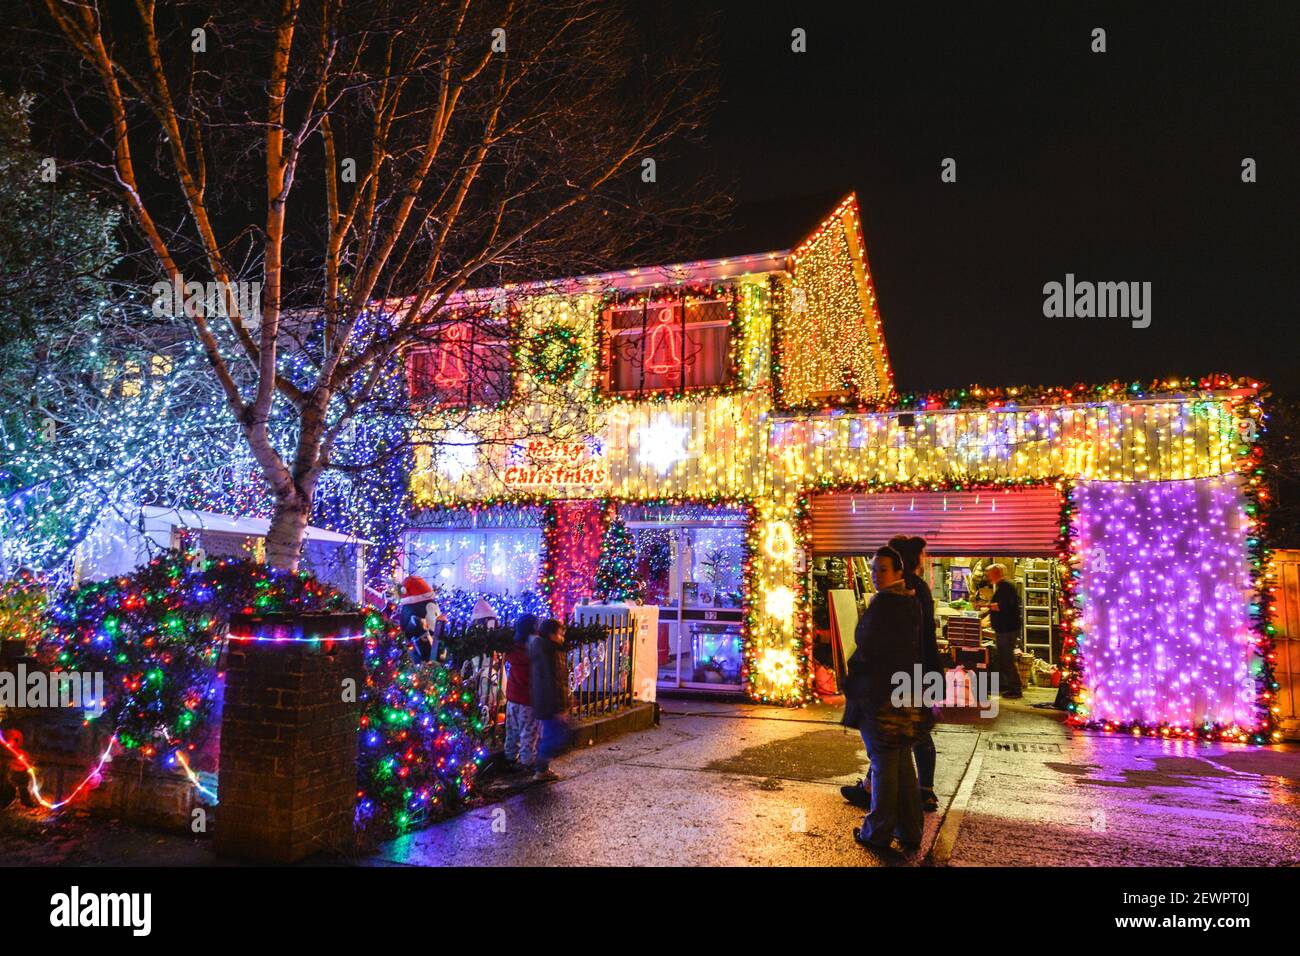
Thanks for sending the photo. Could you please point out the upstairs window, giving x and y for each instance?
(464, 364)
(668, 345)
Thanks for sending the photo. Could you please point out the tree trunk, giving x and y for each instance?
(288, 525)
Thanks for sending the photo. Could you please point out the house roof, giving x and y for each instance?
(232, 524)
(772, 225)
(630, 280)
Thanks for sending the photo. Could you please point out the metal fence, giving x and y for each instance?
(600, 677)
(600, 673)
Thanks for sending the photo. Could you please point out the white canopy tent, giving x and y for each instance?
(128, 537)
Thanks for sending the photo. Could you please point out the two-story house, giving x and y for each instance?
(740, 417)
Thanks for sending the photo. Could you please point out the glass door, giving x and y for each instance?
(695, 573)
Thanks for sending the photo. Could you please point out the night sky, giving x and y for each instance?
(1122, 166)
(1116, 166)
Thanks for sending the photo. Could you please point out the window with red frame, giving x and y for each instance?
(465, 364)
(668, 345)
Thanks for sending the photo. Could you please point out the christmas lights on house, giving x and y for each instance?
(776, 434)
(806, 405)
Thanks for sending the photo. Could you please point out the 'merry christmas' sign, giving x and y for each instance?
(541, 463)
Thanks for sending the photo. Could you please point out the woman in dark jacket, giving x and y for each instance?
(888, 639)
(550, 693)
(912, 552)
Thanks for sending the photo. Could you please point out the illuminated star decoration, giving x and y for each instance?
(457, 455)
(663, 444)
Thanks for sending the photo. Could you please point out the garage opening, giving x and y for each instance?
(966, 532)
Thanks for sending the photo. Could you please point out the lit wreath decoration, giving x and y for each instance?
(555, 354)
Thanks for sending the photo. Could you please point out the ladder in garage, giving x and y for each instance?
(1039, 608)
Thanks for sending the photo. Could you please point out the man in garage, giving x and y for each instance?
(1005, 619)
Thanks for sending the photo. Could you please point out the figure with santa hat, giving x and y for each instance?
(483, 668)
(422, 620)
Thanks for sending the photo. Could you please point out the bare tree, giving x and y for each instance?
(366, 162)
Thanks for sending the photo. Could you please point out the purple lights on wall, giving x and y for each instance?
(1165, 595)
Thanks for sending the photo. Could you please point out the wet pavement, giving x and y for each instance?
(1043, 799)
(74, 838)
(713, 785)
(746, 785)
(749, 785)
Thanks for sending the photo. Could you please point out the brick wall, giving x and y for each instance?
(288, 774)
(65, 749)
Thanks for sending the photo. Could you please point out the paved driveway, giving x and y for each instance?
(746, 785)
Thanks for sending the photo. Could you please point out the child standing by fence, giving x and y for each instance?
(522, 727)
(550, 690)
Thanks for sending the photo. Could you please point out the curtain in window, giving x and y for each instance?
(668, 346)
(464, 368)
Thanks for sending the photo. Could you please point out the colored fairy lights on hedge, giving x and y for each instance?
(156, 634)
(421, 736)
(22, 606)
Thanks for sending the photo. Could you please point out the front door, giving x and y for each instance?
(695, 573)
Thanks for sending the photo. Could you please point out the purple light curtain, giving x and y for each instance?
(1165, 592)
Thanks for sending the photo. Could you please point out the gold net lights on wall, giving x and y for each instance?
(830, 346)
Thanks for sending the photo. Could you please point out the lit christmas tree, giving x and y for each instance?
(616, 574)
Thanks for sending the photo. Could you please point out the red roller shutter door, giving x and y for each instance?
(1023, 521)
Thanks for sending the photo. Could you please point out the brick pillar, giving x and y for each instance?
(288, 776)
